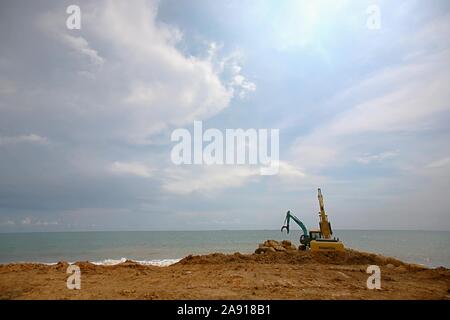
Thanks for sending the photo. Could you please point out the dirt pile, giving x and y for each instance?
(273, 246)
(274, 252)
(279, 274)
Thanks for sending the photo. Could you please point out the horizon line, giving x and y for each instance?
(204, 230)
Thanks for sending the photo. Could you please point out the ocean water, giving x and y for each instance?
(430, 248)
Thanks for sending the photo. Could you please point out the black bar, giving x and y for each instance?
(227, 309)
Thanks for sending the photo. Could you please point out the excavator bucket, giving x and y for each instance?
(286, 222)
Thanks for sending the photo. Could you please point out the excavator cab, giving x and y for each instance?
(314, 234)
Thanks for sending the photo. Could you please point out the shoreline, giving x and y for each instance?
(274, 275)
(164, 262)
(106, 262)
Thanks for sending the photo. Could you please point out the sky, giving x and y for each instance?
(86, 115)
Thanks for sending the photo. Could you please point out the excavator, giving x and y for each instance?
(316, 240)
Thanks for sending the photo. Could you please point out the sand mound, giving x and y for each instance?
(273, 252)
(271, 274)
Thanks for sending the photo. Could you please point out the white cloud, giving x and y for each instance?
(369, 158)
(288, 170)
(439, 163)
(81, 46)
(243, 85)
(238, 82)
(8, 223)
(413, 95)
(146, 83)
(26, 221)
(30, 138)
(29, 221)
(231, 67)
(132, 168)
(409, 97)
(50, 23)
(208, 179)
(167, 88)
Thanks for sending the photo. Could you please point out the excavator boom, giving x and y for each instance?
(324, 224)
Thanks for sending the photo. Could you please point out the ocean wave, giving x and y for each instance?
(157, 262)
(109, 262)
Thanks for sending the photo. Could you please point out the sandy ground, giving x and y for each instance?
(277, 275)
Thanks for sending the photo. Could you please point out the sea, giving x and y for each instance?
(161, 248)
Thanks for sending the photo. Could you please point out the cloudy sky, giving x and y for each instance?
(86, 115)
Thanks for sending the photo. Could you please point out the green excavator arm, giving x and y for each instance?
(290, 216)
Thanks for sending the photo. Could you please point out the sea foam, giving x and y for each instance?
(157, 262)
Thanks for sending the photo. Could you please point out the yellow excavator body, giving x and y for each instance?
(326, 245)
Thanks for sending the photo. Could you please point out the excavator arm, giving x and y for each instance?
(290, 216)
(304, 238)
